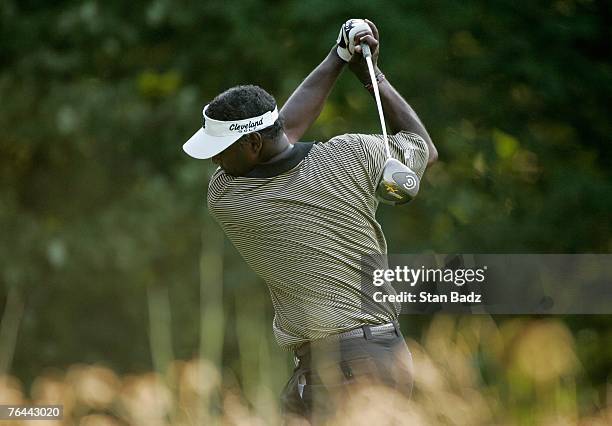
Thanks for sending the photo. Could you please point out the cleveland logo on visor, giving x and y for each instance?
(214, 127)
(246, 127)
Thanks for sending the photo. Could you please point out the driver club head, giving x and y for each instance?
(398, 184)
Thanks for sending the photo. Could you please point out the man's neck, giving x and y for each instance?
(281, 149)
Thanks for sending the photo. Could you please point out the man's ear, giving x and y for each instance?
(254, 143)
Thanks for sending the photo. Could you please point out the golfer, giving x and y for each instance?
(302, 215)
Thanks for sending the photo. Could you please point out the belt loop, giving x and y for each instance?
(397, 328)
(367, 332)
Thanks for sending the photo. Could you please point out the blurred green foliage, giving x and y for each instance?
(100, 209)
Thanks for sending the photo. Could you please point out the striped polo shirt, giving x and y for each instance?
(303, 223)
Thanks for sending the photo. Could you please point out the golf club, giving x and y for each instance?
(397, 183)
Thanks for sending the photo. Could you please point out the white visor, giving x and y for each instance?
(217, 135)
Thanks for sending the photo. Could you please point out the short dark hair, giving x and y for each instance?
(242, 102)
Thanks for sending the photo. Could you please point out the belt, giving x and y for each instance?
(365, 332)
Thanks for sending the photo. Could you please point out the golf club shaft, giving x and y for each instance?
(365, 49)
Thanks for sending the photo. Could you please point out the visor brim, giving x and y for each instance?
(204, 146)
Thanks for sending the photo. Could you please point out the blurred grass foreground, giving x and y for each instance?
(469, 371)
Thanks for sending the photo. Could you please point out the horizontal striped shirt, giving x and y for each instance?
(303, 224)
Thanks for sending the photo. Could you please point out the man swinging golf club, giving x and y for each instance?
(303, 214)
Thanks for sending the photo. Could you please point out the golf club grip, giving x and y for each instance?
(365, 50)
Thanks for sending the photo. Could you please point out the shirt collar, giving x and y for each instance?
(298, 153)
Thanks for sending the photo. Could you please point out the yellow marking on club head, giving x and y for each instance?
(392, 190)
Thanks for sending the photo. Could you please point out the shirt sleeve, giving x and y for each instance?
(408, 148)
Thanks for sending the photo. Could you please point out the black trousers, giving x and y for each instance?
(328, 371)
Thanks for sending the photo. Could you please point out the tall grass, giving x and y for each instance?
(468, 371)
(9, 327)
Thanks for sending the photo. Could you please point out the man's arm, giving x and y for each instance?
(401, 116)
(306, 102)
(398, 113)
